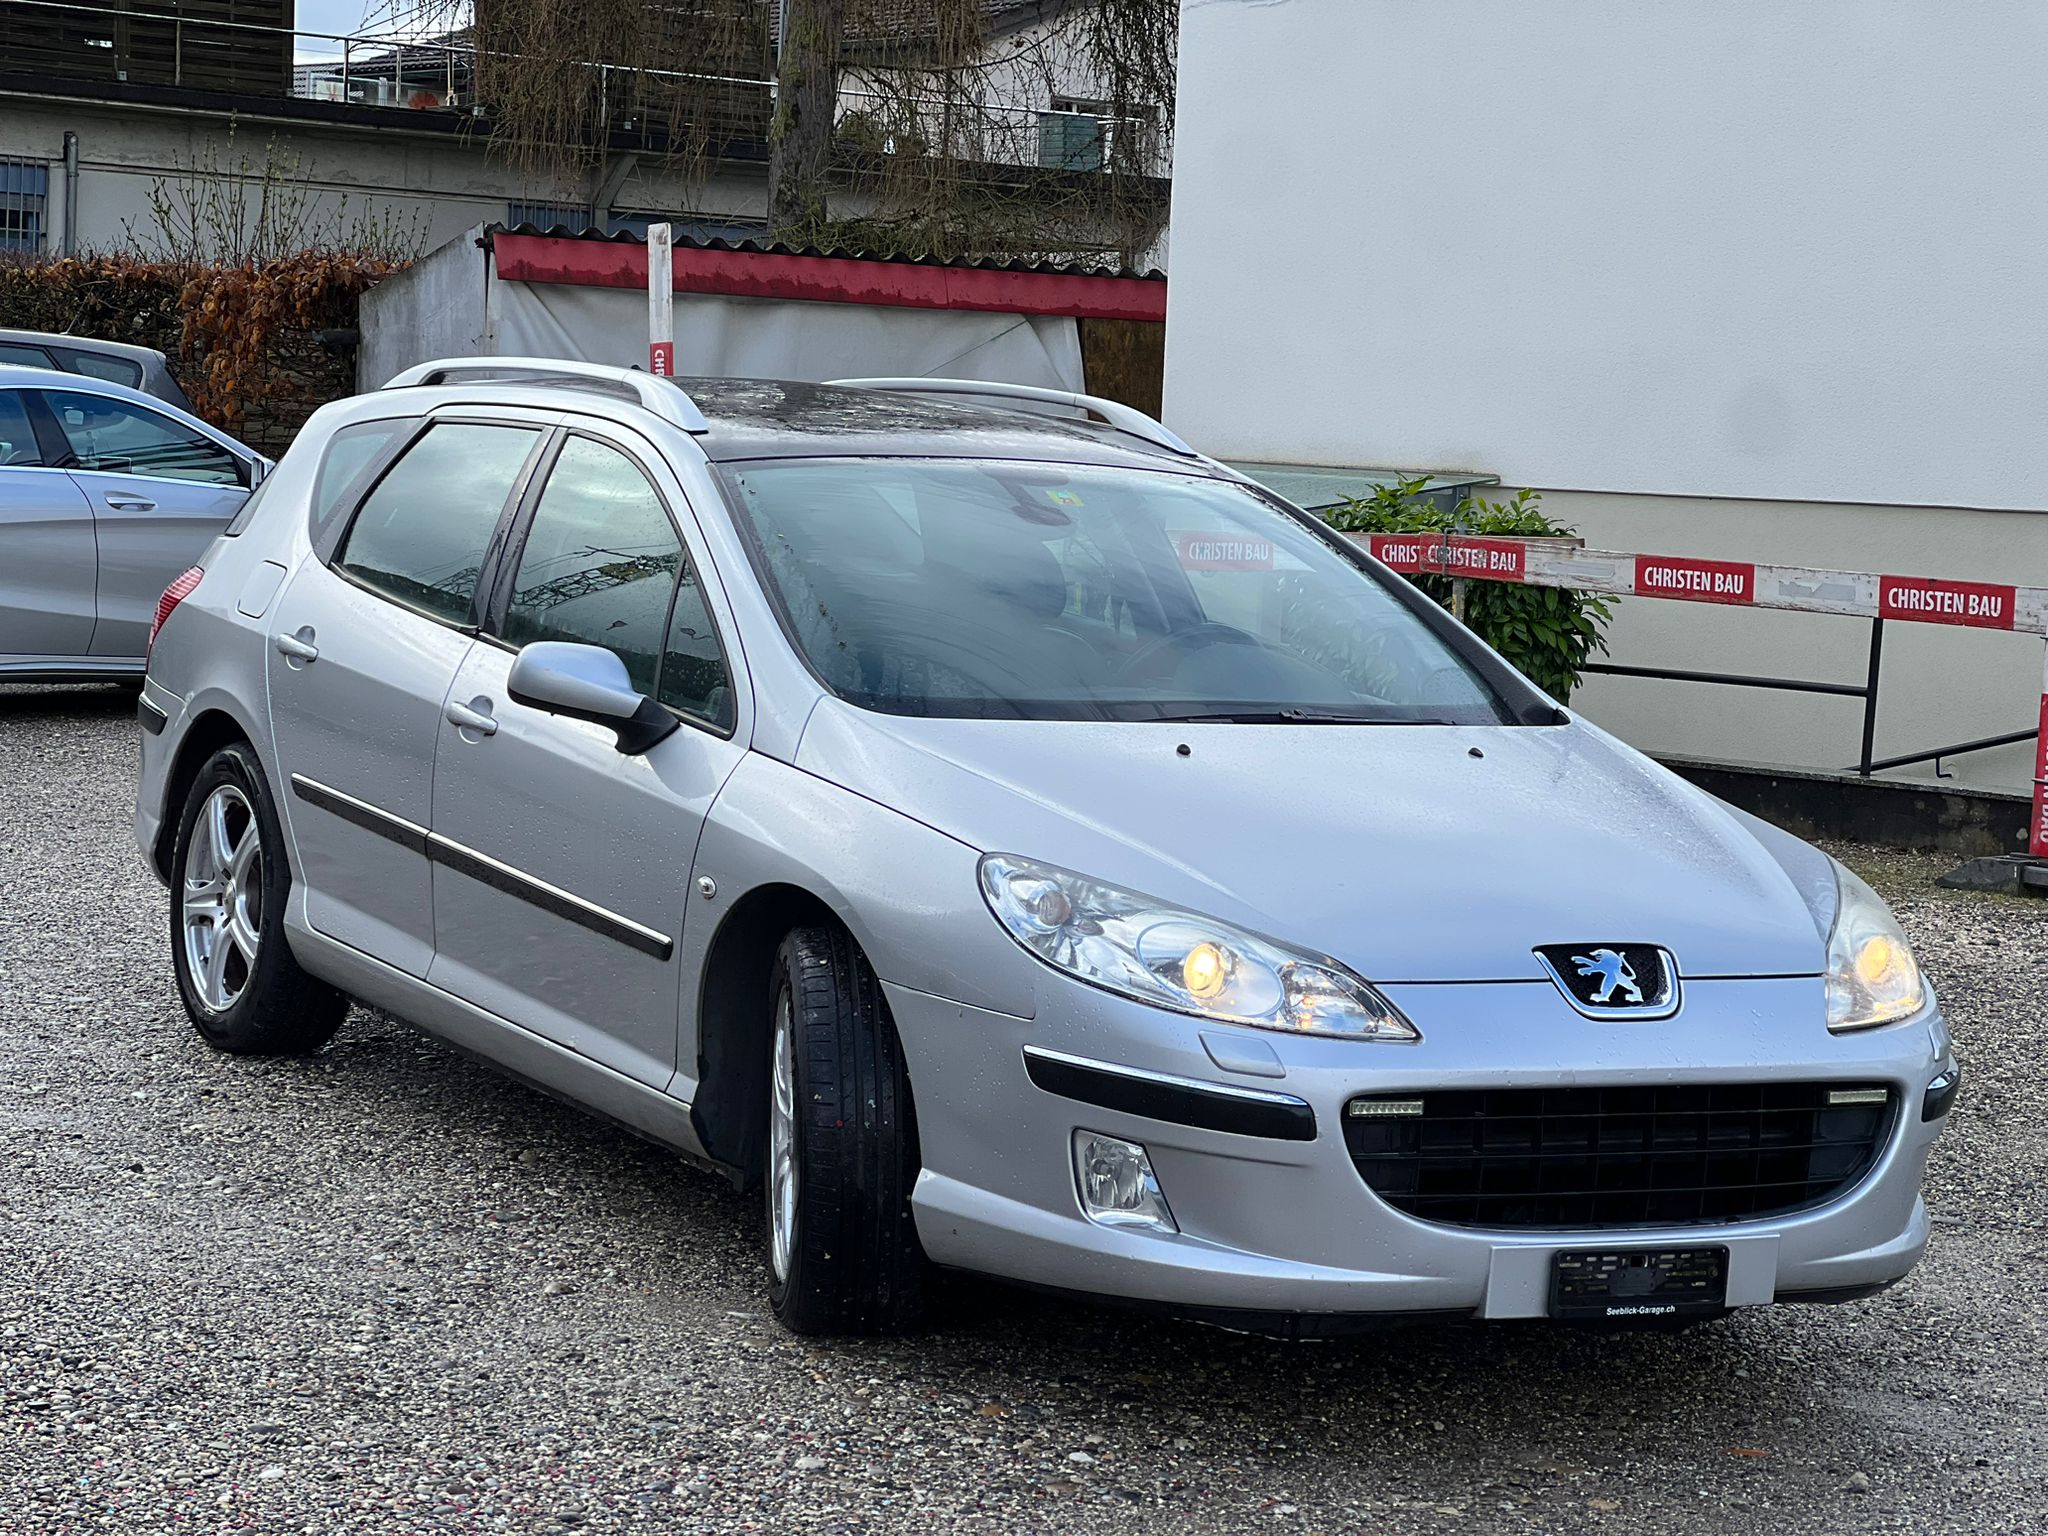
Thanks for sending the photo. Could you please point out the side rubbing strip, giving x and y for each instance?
(360, 813)
(1183, 1101)
(479, 866)
(549, 898)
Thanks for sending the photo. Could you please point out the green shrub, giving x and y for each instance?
(1548, 633)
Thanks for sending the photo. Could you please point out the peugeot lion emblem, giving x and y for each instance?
(1614, 981)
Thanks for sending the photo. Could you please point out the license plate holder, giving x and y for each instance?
(1620, 1284)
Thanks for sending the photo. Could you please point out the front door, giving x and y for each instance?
(561, 865)
(160, 491)
(48, 560)
(363, 653)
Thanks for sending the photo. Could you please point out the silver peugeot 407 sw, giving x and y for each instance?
(1012, 841)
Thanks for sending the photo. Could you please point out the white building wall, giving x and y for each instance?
(1722, 277)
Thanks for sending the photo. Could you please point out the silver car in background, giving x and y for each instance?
(1019, 844)
(106, 493)
(113, 362)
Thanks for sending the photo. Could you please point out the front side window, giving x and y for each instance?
(421, 533)
(599, 565)
(116, 437)
(1034, 591)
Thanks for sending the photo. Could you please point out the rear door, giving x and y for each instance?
(48, 559)
(365, 643)
(561, 865)
(160, 490)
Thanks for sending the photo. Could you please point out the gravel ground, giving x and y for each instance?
(384, 1290)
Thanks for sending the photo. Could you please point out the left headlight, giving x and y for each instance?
(1872, 976)
(1160, 954)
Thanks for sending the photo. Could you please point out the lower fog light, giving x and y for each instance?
(1118, 1187)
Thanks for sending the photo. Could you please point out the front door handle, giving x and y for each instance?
(124, 501)
(299, 647)
(468, 719)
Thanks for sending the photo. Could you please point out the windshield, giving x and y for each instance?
(1006, 590)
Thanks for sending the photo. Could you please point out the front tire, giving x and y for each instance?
(843, 1255)
(241, 985)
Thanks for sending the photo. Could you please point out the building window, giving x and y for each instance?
(1079, 135)
(1073, 135)
(24, 197)
(549, 216)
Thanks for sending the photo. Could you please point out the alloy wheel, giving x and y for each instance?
(782, 1142)
(221, 900)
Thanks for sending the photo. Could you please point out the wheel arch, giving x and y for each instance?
(729, 1110)
(210, 730)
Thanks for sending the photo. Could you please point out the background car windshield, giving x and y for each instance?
(1033, 591)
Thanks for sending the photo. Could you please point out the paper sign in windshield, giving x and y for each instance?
(1223, 552)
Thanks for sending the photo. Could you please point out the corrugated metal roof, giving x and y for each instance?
(779, 248)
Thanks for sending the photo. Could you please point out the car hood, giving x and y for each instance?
(1411, 853)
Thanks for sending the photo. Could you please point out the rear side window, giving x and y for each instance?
(421, 534)
(600, 561)
(97, 365)
(25, 357)
(114, 437)
(346, 467)
(17, 438)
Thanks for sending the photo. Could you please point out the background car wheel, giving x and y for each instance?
(843, 1255)
(240, 983)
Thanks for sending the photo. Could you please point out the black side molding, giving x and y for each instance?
(153, 720)
(1211, 1107)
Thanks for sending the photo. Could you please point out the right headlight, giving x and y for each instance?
(1156, 953)
(1872, 976)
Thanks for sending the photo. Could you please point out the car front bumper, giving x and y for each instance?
(1272, 1225)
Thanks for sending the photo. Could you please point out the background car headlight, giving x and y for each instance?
(1160, 954)
(1872, 975)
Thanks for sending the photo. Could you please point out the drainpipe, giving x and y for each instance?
(70, 193)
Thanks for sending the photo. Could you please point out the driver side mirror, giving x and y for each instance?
(588, 682)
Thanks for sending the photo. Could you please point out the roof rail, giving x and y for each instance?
(1123, 417)
(663, 396)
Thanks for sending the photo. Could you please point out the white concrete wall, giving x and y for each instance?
(1724, 277)
(1697, 247)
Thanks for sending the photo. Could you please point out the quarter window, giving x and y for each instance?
(421, 534)
(346, 464)
(98, 365)
(600, 561)
(694, 680)
(17, 439)
(116, 437)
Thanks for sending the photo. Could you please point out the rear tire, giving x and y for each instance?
(241, 985)
(843, 1255)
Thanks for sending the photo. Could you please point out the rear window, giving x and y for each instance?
(1011, 590)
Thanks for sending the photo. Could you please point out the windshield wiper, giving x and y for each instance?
(1292, 717)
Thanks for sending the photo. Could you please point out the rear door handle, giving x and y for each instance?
(472, 719)
(295, 648)
(124, 501)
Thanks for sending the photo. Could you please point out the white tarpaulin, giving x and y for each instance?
(451, 304)
(785, 339)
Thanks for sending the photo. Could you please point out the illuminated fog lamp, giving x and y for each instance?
(1117, 1185)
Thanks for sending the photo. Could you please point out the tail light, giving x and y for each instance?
(174, 594)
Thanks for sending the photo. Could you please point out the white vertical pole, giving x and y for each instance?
(661, 308)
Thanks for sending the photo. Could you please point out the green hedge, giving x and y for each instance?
(1548, 633)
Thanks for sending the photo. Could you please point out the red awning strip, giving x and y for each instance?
(832, 279)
